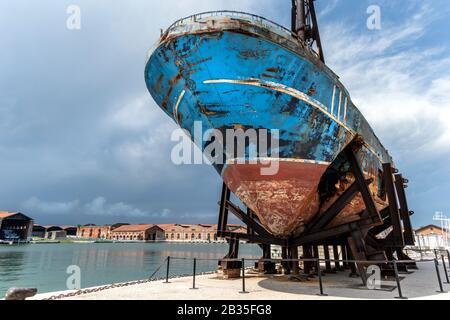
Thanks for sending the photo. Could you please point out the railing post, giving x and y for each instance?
(438, 276)
(193, 273)
(448, 257)
(319, 273)
(397, 279)
(445, 268)
(167, 269)
(243, 276)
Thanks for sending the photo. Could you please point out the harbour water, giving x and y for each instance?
(44, 266)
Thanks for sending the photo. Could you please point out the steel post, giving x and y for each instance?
(167, 269)
(448, 257)
(194, 270)
(436, 264)
(243, 276)
(397, 279)
(445, 268)
(319, 273)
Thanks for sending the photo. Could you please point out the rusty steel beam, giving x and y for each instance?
(304, 24)
(252, 216)
(254, 238)
(397, 234)
(307, 254)
(337, 265)
(315, 30)
(404, 210)
(241, 215)
(223, 211)
(323, 220)
(386, 216)
(326, 252)
(365, 192)
(300, 19)
(340, 230)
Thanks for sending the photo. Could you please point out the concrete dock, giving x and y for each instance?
(421, 284)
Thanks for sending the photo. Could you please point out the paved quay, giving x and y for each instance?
(421, 284)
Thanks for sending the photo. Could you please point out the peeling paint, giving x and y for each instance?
(240, 72)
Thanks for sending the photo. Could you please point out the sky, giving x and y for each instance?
(83, 142)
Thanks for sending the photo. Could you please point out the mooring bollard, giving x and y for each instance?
(445, 268)
(20, 293)
(167, 270)
(243, 276)
(397, 279)
(193, 273)
(436, 264)
(319, 273)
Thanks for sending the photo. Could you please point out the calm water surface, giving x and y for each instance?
(44, 266)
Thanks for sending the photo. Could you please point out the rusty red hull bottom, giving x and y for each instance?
(284, 202)
(287, 201)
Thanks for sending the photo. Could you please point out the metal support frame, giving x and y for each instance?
(305, 26)
(337, 266)
(354, 237)
(408, 234)
(307, 254)
(326, 253)
(397, 234)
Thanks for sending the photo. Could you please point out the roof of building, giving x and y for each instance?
(7, 214)
(68, 227)
(135, 227)
(53, 226)
(430, 226)
(166, 226)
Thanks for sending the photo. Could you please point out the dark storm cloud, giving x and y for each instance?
(82, 141)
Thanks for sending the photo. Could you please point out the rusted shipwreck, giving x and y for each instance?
(336, 184)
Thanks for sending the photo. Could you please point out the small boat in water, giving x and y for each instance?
(233, 70)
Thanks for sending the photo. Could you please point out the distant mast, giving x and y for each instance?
(305, 26)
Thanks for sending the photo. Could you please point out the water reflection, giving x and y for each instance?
(11, 264)
(44, 266)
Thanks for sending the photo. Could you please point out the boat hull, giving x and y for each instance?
(223, 78)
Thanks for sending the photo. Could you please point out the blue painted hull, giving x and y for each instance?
(248, 76)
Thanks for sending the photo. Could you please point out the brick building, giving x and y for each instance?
(195, 232)
(432, 237)
(141, 232)
(91, 231)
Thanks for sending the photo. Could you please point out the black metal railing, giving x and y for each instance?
(317, 262)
